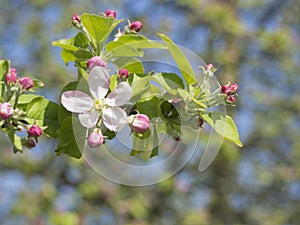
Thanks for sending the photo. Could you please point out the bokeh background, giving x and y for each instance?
(255, 43)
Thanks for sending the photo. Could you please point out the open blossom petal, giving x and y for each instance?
(98, 82)
(89, 119)
(114, 118)
(77, 101)
(120, 95)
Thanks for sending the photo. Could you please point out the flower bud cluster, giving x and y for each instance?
(229, 91)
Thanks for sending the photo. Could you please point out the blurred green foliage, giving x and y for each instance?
(255, 43)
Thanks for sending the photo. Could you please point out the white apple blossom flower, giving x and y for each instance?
(91, 109)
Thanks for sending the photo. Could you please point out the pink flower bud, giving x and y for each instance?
(34, 131)
(110, 13)
(76, 19)
(123, 73)
(12, 76)
(230, 99)
(95, 139)
(95, 61)
(28, 143)
(234, 87)
(226, 90)
(26, 83)
(139, 123)
(5, 110)
(209, 67)
(136, 26)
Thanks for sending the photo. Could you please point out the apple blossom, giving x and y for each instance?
(91, 109)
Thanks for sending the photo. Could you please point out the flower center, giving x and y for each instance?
(98, 104)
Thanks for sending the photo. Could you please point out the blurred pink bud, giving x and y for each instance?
(230, 99)
(209, 67)
(123, 73)
(226, 90)
(12, 76)
(28, 143)
(34, 131)
(26, 83)
(95, 61)
(139, 123)
(76, 19)
(234, 87)
(136, 26)
(110, 13)
(95, 139)
(5, 110)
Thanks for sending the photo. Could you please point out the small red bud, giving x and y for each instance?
(123, 73)
(12, 76)
(26, 83)
(230, 99)
(136, 26)
(234, 87)
(226, 90)
(6, 110)
(110, 13)
(34, 131)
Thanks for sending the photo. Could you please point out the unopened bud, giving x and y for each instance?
(6, 110)
(26, 83)
(139, 123)
(136, 26)
(226, 90)
(28, 143)
(76, 20)
(110, 13)
(95, 61)
(12, 76)
(234, 87)
(34, 131)
(95, 139)
(123, 73)
(230, 99)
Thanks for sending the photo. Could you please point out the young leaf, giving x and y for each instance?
(117, 49)
(223, 125)
(99, 28)
(140, 41)
(133, 65)
(80, 41)
(180, 59)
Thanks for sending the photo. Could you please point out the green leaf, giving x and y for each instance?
(154, 151)
(117, 49)
(140, 41)
(133, 65)
(150, 107)
(98, 27)
(223, 125)
(139, 86)
(44, 113)
(16, 141)
(37, 83)
(72, 44)
(67, 141)
(4, 69)
(180, 59)
(169, 82)
(67, 56)
(113, 81)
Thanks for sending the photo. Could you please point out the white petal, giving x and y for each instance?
(77, 101)
(99, 82)
(89, 119)
(114, 118)
(120, 95)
